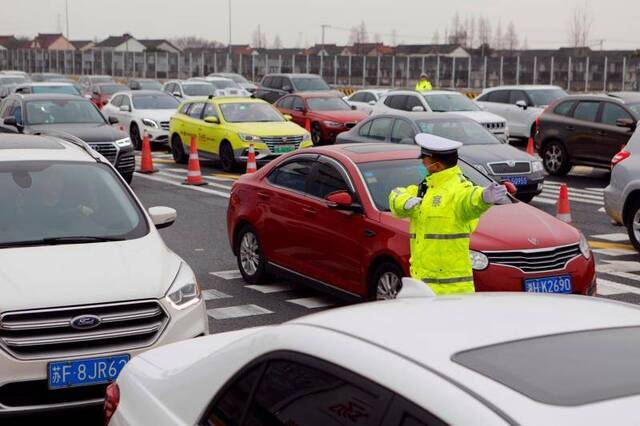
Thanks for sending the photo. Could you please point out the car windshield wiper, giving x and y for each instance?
(60, 240)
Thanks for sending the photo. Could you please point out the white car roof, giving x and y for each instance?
(18, 147)
(523, 87)
(46, 83)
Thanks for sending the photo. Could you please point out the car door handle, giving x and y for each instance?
(570, 128)
(264, 195)
(599, 132)
(368, 233)
(308, 210)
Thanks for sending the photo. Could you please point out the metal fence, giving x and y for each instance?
(575, 74)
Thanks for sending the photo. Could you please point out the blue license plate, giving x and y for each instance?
(561, 284)
(83, 372)
(518, 180)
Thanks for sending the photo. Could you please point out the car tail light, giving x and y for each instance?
(111, 401)
(619, 157)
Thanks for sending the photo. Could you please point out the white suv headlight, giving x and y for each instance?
(584, 247)
(306, 137)
(249, 138)
(150, 123)
(536, 166)
(479, 261)
(184, 291)
(122, 143)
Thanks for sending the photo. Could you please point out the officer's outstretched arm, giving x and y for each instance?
(398, 199)
(469, 204)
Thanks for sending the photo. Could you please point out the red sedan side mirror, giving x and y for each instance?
(340, 199)
(511, 188)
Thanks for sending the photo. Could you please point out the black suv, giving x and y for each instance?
(585, 130)
(72, 115)
(274, 86)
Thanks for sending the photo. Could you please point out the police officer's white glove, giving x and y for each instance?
(495, 194)
(412, 202)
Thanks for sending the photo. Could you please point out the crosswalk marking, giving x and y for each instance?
(273, 288)
(556, 191)
(169, 181)
(208, 178)
(616, 237)
(614, 252)
(212, 294)
(606, 288)
(543, 200)
(312, 302)
(233, 274)
(239, 311)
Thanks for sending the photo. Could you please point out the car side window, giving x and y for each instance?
(364, 129)
(290, 392)
(326, 180)
(611, 113)
(196, 110)
(564, 108)
(286, 102)
(397, 102)
(17, 112)
(117, 101)
(380, 128)
(586, 111)
(405, 413)
(126, 101)
(298, 103)
(499, 96)
(228, 409)
(286, 83)
(276, 83)
(7, 108)
(402, 129)
(413, 101)
(266, 82)
(292, 175)
(518, 95)
(358, 97)
(210, 111)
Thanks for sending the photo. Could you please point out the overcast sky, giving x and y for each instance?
(543, 22)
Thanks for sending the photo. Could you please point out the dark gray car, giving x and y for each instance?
(498, 160)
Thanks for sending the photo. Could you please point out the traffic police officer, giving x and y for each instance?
(424, 85)
(444, 210)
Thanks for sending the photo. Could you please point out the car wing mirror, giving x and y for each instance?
(353, 107)
(125, 108)
(288, 117)
(211, 120)
(342, 200)
(372, 103)
(113, 120)
(177, 94)
(521, 104)
(626, 122)
(511, 188)
(417, 108)
(163, 217)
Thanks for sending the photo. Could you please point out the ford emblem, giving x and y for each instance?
(85, 322)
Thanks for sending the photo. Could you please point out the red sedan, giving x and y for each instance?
(100, 93)
(321, 216)
(328, 114)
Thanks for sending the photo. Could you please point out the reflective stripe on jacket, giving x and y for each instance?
(423, 86)
(440, 229)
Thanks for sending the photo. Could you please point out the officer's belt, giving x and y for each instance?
(445, 236)
(455, 280)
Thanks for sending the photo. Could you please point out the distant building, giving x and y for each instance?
(445, 50)
(83, 45)
(51, 42)
(159, 45)
(123, 43)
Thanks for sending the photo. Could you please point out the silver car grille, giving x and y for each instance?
(494, 126)
(127, 161)
(510, 168)
(48, 333)
(272, 141)
(535, 260)
(164, 125)
(107, 149)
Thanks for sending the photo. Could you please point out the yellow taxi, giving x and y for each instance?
(224, 127)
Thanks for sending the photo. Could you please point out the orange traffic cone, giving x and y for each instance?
(564, 209)
(530, 148)
(252, 167)
(146, 164)
(307, 125)
(194, 177)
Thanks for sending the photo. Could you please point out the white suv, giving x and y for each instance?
(519, 105)
(442, 101)
(87, 282)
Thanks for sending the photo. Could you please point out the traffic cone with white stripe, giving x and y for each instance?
(530, 147)
(194, 177)
(146, 162)
(564, 209)
(252, 166)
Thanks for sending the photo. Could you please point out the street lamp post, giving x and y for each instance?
(229, 47)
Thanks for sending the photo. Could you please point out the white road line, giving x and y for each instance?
(227, 275)
(217, 185)
(591, 196)
(312, 302)
(600, 190)
(192, 187)
(617, 237)
(239, 311)
(273, 288)
(551, 199)
(543, 200)
(614, 252)
(212, 294)
(601, 210)
(606, 288)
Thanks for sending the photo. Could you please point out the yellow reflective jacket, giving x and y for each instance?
(423, 86)
(440, 229)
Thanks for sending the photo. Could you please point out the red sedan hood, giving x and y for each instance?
(341, 116)
(512, 227)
